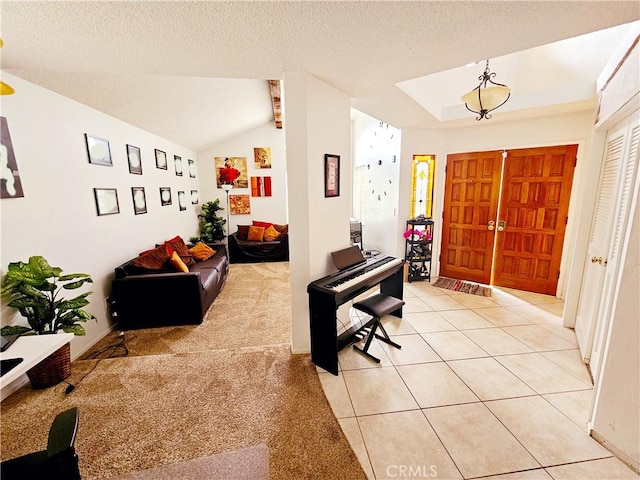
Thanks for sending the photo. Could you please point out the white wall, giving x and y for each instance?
(271, 209)
(57, 216)
(317, 120)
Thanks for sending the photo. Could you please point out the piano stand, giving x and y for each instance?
(378, 306)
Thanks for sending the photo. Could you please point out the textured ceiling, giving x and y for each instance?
(160, 65)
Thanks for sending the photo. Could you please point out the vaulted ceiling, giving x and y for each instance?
(195, 72)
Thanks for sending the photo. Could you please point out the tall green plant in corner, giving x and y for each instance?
(211, 226)
(34, 289)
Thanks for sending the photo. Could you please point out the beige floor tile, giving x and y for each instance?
(536, 314)
(537, 474)
(453, 345)
(502, 316)
(465, 319)
(475, 301)
(571, 361)
(378, 390)
(397, 326)
(423, 289)
(541, 374)
(336, 392)
(414, 350)
(415, 304)
(606, 468)
(505, 298)
(488, 379)
(444, 302)
(424, 322)
(538, 338)
(575, 405)
(536, 298)
(567, 334)
(477, 442)
(405, 442)
(496, 341)
(550, 436)
(435, 384)
(351, 430)
(351, 359)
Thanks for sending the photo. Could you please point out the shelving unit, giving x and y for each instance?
(418, 249)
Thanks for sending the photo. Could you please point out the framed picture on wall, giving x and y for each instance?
(165, 196)
(182, 200)
(106, 201)
(135, 162)
(192, 168)
(161, 159)
(98, 150)
(194, 197)
(331, 175)
(139, 200)
(177, 163)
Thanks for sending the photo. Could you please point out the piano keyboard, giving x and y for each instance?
(363, 274)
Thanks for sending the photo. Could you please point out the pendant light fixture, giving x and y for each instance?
(487, 96)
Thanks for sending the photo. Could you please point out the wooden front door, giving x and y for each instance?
(523, 210)
(536, 186)
(471, 201)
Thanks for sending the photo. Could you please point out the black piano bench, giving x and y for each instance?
(377, 306)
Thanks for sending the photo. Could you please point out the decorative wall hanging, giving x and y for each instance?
(331, 175)
(260, 186)
(165, 196)
(98, 150)
(10, 184)
(139, 200)
(231, 171)
(239, 204)
(106, 201)
(182, 201)
(135, 162)
(161, 159)
(262, 157)
(194, 197)
(192, 168)
(177, 163)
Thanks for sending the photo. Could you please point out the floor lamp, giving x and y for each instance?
(227, 188)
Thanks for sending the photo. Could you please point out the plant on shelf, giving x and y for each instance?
(34, 289)
(211, 226)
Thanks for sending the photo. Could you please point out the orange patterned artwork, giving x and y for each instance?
(262, 157)
(239, 204)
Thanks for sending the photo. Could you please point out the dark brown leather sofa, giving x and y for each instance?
(142, 298)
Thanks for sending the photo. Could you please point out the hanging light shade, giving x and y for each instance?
(4, 88)
(487, 96)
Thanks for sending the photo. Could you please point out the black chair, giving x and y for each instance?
(377, 306)
(58, 462)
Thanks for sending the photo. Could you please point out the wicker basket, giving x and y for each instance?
(52, 370)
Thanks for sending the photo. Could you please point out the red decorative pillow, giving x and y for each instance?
(262, 224)
(155, 259)
(178, 245)
(243, 231)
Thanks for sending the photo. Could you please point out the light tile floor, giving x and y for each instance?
(489, 387)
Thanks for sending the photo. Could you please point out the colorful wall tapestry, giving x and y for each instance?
(260, 186)
(231, 170)
(262, 157)
(10, 184)
(239, 204)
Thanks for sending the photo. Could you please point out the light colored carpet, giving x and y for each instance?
(185, 393)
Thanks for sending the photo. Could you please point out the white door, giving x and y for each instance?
(610, 218)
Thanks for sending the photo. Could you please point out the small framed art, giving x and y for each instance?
(106, 201)
(165, 196)
(177, 163)
(194, 197)
(331, 175)
(182, 201)
(135, 162)
(161, 159)
(139, 200)
(192, 168)
(98, 150)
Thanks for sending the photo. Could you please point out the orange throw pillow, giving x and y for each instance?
(177, 263)
(202, 251)
(255, 234)
(270, 234)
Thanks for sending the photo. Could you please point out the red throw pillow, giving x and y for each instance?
(262, 224)
(178, 245)
(155, 259)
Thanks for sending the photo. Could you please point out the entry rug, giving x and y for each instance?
(462, 286)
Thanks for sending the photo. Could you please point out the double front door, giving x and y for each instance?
(505, 216)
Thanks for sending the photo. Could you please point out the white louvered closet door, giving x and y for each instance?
(619, 170)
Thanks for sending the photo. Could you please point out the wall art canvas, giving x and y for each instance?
(177, 163)
(165, 196)
(161, 159)
(182, 200)
(260, 186)
(192, 168)
(231, 170)
(135, 162)
(10, 184)
(139, 200)
(262, 157)
(194, 197)
(106, 201)
(239, 204)
(331, 175)
(98, 150)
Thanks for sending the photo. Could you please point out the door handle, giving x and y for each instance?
(502, 225)
(491, 225)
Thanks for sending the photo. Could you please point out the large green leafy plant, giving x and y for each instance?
(211, 226)
(34, 289)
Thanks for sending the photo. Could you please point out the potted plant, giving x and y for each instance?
(211, 226)
(34, 289)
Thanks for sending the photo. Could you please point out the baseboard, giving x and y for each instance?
(619, 454)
